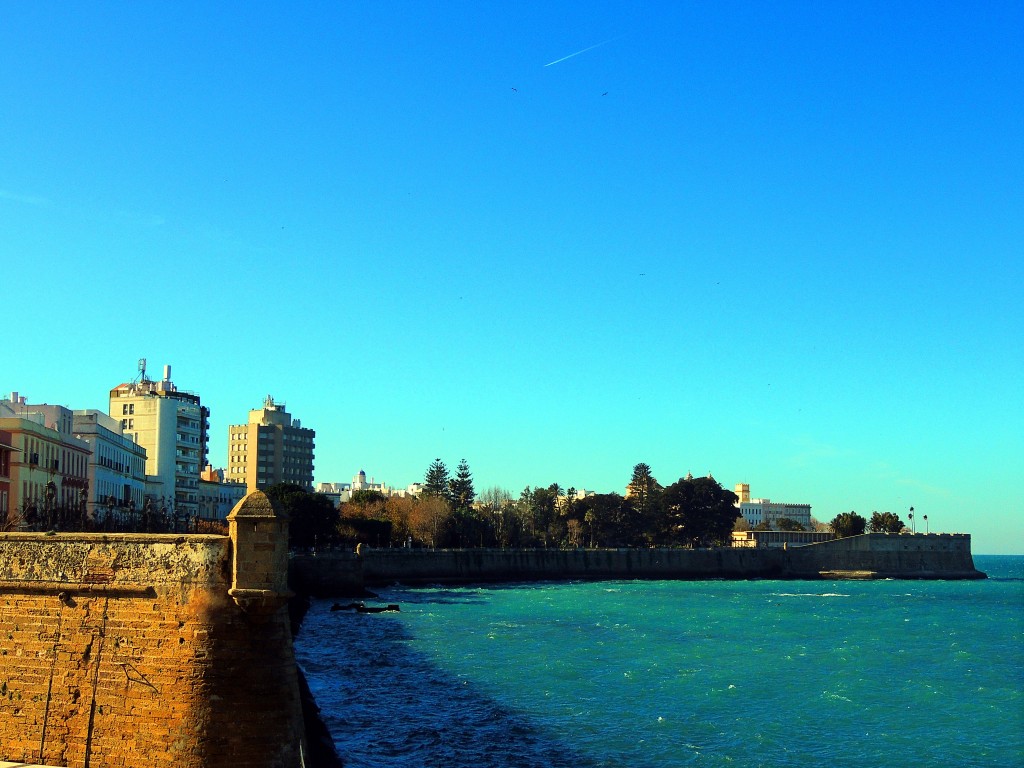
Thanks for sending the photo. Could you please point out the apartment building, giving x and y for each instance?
(172, 426)
(6, 449)
(117, 465)
(48, 466)
(270, 448)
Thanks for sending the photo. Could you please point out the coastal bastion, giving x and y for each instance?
(121, 650)
(869, 556)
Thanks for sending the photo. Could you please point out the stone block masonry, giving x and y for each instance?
(874, 555)
(128, 650)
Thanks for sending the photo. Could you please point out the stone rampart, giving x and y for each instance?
(937, 556)
(123, 650)
(347, 574)
(466, 565)
(887, 555)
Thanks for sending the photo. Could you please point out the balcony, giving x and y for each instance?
(188, 425)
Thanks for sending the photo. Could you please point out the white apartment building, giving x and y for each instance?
(271, 448)
(340, 493)
(757, 511)
(172, 426)
(117, 466)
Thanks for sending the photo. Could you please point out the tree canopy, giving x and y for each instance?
(643, 489)
(696, 512)
(692, 512)
(885, 522)
(644, 494)
(364, 497)
(437, 480)
(460, 488)
(788, 524)
(848, 524)
(313, 518)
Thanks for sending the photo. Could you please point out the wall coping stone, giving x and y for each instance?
(112, 538)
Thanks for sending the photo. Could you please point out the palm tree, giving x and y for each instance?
(913, 528)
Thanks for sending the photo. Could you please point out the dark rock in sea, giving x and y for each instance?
(349, 607)
(390, 608)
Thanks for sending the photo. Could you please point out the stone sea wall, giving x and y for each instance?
(158, 650)
(935, 556)
(887, 556)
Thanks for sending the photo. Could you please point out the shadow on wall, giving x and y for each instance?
(386, 704)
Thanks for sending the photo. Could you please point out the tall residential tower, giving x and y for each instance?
(172, 426)
(272, 448)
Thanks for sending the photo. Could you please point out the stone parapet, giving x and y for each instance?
(122, 650)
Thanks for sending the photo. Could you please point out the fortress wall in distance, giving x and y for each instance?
(888, 555)
(935, 556)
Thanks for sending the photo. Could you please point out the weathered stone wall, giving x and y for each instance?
(345, 573)
(888, 555)
(418, 566)
(873, 555)
(329, 573)
(128, 650)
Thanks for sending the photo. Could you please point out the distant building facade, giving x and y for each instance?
(6, 449)
(271, 448)
(117, 464)
(758, 511)
(217, 497)
(778, 539)
(48, 466)
(172, 425)
(341, 493)
(338, 493)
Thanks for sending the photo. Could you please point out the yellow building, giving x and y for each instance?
(742, 492)
(46, 466)
(271, 448)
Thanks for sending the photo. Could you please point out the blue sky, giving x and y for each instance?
(778, 242)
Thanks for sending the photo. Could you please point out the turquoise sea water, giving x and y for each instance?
(656, 674)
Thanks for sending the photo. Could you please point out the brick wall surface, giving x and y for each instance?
(121, 651)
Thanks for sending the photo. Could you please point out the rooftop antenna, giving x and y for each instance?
(142, 370)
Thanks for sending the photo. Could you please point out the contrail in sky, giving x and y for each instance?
(556, 61)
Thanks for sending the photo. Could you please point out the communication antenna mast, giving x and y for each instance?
(142, 369)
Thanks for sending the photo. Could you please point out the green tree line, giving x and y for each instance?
(691, 512)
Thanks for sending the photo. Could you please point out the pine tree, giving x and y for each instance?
(437, 481)
(645, 494)
(461, 487)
